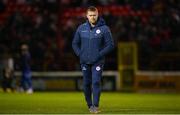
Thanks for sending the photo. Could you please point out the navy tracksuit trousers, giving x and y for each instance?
(26, 81)
(92, 74)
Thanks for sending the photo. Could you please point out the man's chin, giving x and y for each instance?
(93, 22)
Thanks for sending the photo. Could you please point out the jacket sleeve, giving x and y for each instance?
(108, 43)
(76, 43)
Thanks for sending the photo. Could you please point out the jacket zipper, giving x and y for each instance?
(89, 46)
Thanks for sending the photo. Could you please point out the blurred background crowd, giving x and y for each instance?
(48, 27)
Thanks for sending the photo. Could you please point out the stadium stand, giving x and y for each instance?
(48, 27)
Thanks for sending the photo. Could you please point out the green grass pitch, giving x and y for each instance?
(73, 102)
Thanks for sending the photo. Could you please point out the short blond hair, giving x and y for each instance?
(91, 8)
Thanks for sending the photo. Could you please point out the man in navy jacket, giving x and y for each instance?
(26, 81)
(92, 41)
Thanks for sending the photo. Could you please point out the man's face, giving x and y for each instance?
(92, 16)
(24, 49)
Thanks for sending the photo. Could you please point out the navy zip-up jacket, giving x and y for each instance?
(25, 62)
(91, 44)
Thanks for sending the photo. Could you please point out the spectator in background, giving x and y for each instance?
(7, 81)
(2, 6)
(26, 80)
